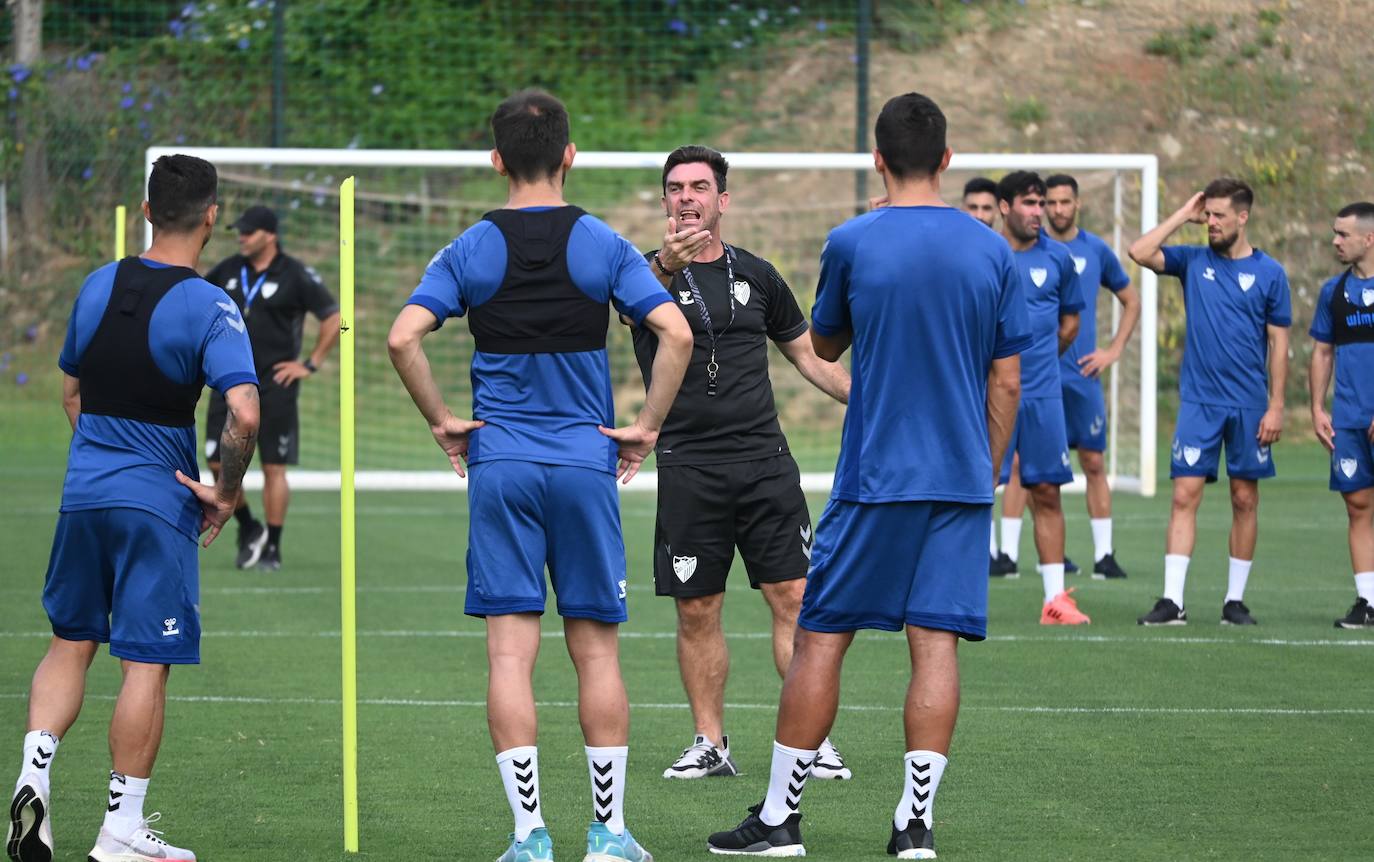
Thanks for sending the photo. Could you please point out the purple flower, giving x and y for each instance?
(377, 89)
(127, 102)
(177, 27)
(127, 88)
(147, 106)
(31, 334)
(21, 378)
(188, 10)
(244, 43)
(820, 26)
(83, 64)
(87, 173)
(677, 25)
(20, 73)
(14, 93)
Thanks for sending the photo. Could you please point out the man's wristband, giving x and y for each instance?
(309, 365)
(663, 269)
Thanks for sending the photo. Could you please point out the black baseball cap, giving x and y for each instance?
(256, 218)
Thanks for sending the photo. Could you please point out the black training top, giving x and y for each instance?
(739, 422)
(274, 303)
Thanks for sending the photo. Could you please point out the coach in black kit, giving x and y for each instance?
(274, 291)
(726, 477)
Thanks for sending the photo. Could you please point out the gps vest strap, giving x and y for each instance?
(1350, 324)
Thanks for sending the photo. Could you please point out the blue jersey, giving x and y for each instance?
(124, 463)
(1229, 303)
(541, 407)
(1051, 289)
(931, 298)
(1353, 403)
(1097, 266)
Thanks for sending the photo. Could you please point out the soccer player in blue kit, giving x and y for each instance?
(1239, 312)
(1343, 337)
(1040, 443)
(146, 335)
(536, 280)
(931, 304)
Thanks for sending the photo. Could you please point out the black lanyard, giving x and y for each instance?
(712, 367)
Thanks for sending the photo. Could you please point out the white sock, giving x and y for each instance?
(1236, 578)
(1011, 538)
(607, 769)
(124, 813)
(1364, 585)
(1052, 575)
(921, 771)
(1102, 537)
(520, 775)
(1175, 573)
(791, 768)
(39, 749)
(992, 540)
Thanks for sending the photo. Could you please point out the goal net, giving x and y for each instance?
(409, 204)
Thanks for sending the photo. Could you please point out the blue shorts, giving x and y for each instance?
(1198, 437)
(1352, 464)
(523, 516)
(1041, 443)
(1085, 414)
(127, 578)
(889, 565)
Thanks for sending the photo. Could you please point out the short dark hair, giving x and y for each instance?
(910, 134)
(531, 132)
(1018, 183)
(980, 186)
(1054, 181)
(180, 189)
(693, 154)
(1238, 191)
(1361, 211)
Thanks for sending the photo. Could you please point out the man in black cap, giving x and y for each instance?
(274, 291)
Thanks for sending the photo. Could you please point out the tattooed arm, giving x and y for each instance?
(235, 451)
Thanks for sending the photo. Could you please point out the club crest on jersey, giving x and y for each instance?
(1080, 264)
(1247, 281)
(741, 289)
(684, 297)
(1348, 467)
(1209, 274)
(231, 285)
(1038, 275)
(1368, 296)
(268, 289)
(684, 567)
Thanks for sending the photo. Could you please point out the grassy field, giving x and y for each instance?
(1110, 742)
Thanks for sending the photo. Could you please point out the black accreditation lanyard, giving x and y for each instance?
(712, 367)
(250, 294)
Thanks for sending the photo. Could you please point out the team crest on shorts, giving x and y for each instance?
(741, 289)
(684, 567)
(1080, 264)
(1038, 275)
(1247, 280)
(1191, 454)
(1348, 467)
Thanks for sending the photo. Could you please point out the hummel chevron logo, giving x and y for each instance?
(918, 813)
(921, 781)
(41, 761)
(601, 769)
(603, 786)
(118, 776)
(525, 790)
(605, 802)
(921, 797)
(114, 804)
(530, 806)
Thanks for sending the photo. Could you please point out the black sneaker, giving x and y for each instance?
(252, 539)
(753, 837)
(1106, 569)
(1236, 614)
(913, 842)
(1361, 616)
(1070, 567)
(1164, 613)
(1002, 566)
(271, 559)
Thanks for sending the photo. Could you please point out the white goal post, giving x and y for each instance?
(1140, 478)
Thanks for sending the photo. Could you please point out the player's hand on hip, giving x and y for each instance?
(1321, 424)
(635, 443)
(1096, 362)
(452, 435)
(289, 371)
(214, 512)
(1271, 426)
(680, 247)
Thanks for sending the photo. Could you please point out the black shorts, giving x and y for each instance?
(705, 512)
(278, 433)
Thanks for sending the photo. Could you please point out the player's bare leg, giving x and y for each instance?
(1047, 514)
(1178, 550)
(1359, 507)
(1244, 536)
(784, 600)
(59, 685)
(704, 661)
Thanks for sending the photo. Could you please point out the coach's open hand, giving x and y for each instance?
(636, 442)
(289, 371)
(451, 433)
(214, 512)
(681, 247)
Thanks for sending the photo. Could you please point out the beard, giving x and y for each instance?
(1223, 244)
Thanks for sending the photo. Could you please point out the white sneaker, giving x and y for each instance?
(143, 845)
(829, 763)
(29, 837)
(702, 759)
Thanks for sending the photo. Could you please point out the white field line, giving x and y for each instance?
(1143, 639)
(766, 707)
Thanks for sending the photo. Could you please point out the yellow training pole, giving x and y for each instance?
(121, 216)
(347, 561)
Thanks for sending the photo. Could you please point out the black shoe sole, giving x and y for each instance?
(27, 846)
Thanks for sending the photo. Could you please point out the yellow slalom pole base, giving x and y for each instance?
(121, 217)
(347, 513)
